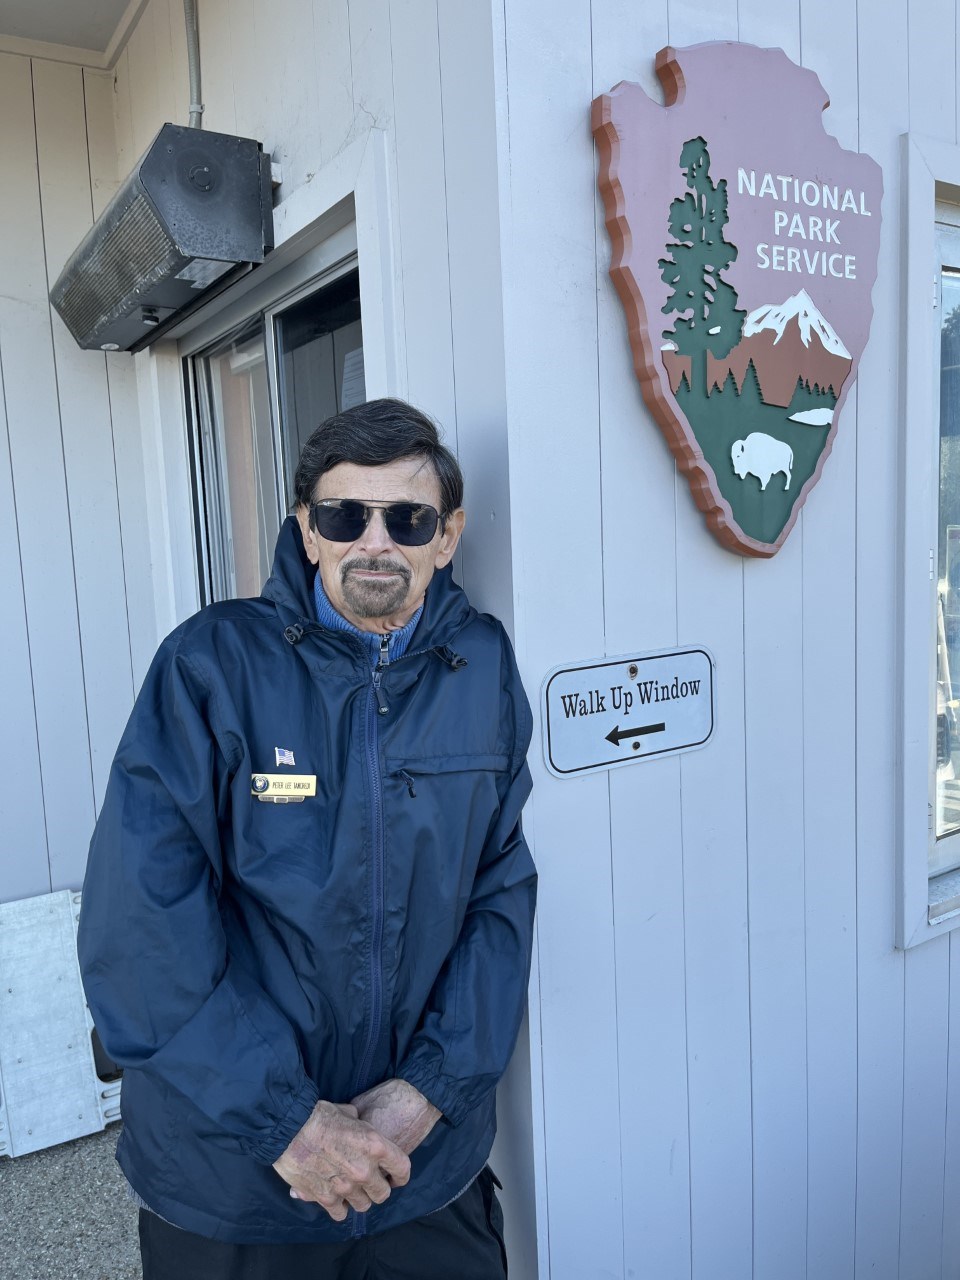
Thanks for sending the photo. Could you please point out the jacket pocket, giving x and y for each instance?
(452, 762)
(464, 788)
(440, 813)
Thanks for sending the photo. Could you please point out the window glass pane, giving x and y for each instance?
(246, 464)
(319, 363)
(238, 458)
(948, 594)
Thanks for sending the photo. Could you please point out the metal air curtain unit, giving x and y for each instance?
(195, 210)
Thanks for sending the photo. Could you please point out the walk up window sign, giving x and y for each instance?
(745, 247)
(599, 715)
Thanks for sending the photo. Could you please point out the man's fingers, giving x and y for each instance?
(377, 1188)
(339, 1160)
(360, 1201)
(333, 1204)
(395, 1164)
(336, 1208)
(392, 1161)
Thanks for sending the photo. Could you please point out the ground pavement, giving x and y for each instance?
(64, 1214)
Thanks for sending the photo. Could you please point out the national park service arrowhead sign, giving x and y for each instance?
(745, 244)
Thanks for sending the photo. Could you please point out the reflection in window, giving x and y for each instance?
(246, 465)
(948, 594)
(320, 363)
(239, 470)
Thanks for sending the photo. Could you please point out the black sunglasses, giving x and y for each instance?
(409, 524)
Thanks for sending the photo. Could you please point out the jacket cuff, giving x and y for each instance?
(437, 1089)
(272, 1147)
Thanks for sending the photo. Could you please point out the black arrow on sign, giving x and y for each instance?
(618, 735)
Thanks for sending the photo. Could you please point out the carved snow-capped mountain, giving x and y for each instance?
(810, 320)
(778, 340)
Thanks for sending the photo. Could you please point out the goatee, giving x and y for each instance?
(370, 598)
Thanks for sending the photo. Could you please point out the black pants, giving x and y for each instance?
(464, 1241)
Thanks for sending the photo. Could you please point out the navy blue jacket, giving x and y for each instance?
(243, 959)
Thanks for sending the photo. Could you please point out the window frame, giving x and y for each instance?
(331, 260)
(928, 904)
(214, 567)
(948, 237)
(346, 216)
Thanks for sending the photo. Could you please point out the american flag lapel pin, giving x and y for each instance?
(284, 756)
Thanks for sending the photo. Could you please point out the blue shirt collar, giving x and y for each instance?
(397, 642)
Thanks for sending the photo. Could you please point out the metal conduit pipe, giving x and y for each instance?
(193, 61)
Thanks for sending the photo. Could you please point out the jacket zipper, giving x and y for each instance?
(376, 707)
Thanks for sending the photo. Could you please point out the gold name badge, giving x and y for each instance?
(283, 788)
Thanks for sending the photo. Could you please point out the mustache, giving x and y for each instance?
(375, 564)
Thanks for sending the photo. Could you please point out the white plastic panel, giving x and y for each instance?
(49, 1089)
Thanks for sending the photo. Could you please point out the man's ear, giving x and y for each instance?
(452, 529)
(307, 534)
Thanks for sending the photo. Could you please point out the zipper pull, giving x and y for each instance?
(382, 661)
(408, 782)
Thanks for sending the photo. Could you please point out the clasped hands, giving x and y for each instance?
(351, 1155)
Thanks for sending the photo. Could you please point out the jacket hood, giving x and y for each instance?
(446, 609)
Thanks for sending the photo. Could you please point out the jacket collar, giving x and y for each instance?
(446, 609)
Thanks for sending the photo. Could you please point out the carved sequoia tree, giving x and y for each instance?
(706, 306)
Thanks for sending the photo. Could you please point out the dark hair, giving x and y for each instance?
(372, 435)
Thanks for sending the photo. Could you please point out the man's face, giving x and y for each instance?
(373, 582)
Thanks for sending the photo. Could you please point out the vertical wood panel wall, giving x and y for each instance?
(77, 627)
(742, 1079)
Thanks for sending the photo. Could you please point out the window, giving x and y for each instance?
(319, 361)
(945, 846)
(929, 614)
(346, 218)
(258, 392)
(238, 463)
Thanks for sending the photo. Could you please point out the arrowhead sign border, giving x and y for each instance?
(638, 146)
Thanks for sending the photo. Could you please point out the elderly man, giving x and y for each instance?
(307, 917)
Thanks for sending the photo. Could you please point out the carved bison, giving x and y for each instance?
(762, 456)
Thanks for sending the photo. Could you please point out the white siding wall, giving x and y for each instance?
(77, 622)
(741, 1077)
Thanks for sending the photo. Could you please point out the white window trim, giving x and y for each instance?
(356, 186)
(930, 171)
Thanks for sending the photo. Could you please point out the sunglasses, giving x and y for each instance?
(409, 524)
